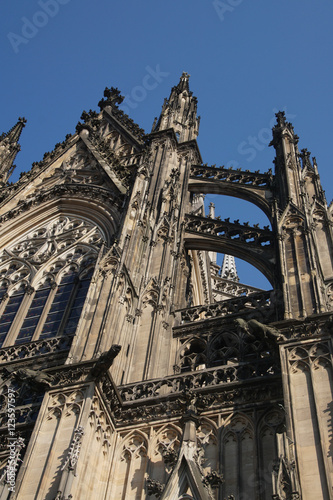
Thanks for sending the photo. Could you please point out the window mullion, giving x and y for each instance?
(68, 307)
(45, 312)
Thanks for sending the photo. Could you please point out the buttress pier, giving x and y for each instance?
(133, 365)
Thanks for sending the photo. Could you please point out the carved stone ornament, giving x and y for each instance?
(154, 488)
(16, 447)
(74, 451)
(34, 378)
(213, 479)
(46, 241)
(104, 362)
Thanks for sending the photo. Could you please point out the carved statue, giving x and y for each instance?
(105, 361)
(258, 330)
(32, 377)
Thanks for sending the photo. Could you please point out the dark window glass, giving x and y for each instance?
(58, 307)
(9, 313)
(3, 290)
(76, 310)
(31, 320)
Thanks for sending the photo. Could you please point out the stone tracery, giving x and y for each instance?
(40, 264)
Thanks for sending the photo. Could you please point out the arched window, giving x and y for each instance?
(44, 280)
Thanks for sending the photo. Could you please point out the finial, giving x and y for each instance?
(228, 270)
(184, 82)
(281, 118)
(305, 155)
(113, 97)
(10, 148)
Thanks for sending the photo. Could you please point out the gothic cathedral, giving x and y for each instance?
(133, 366)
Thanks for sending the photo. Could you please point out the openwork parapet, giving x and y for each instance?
(238, 306)
(230, 175)
(212, 377)
(231, 230)
(37, 348)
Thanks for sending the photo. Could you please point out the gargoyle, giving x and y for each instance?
(104, 362)
(258, 330)
(32, 377)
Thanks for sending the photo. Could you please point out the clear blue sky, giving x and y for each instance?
(247, 59)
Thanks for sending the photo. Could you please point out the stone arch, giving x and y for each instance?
(300, 366)
(54, 413)
(192, 354)
(52, 250)
(238, 421)
(207, 436)
(135, 434)
(163, 453)
(298, 353)
(269, 425)
(223, 348)
(238, 452)
(98, 210)
(319, 349)
(234, 189)
(321, 362)
(170, 433)
(130, 465)
(260, 258)
(11, 265)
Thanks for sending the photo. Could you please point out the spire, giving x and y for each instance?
(229, 270)
(180, 112)
(183, 83)
(9, 148)
(287, 164)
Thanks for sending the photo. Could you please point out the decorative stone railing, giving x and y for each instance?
(230, 175)
(237, 305)
(212, 377)
(229, 287)
(251, 235)
(37, 348)
(23, 415)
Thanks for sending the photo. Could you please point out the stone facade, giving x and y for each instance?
(137, 367)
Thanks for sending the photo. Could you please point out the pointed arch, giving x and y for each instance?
(192, 354)
(163, 451)
(269, 425)
(59, 256)
(238, 452)
(130, 465)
